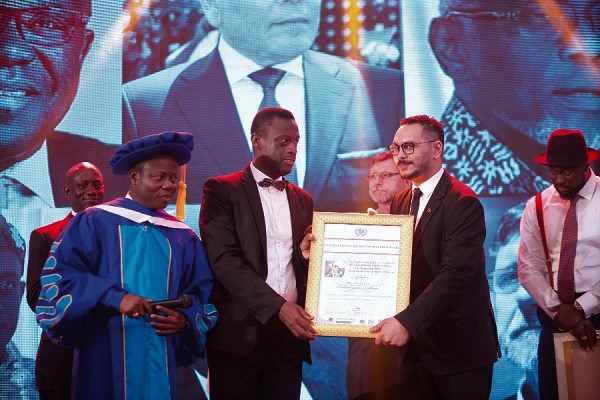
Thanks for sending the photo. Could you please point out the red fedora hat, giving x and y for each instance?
(567, 147)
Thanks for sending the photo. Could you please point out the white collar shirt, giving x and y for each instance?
(278, 222)
(427, 189)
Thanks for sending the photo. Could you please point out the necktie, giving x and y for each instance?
(414, 203)
(268, 78)
(566, 264)
(279, 185)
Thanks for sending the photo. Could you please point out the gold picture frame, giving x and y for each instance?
(576, 369)
(352, 260)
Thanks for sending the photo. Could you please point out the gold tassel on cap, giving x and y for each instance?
(180, 204)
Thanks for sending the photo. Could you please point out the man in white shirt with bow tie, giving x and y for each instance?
(252, 224)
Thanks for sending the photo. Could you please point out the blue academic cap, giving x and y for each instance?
(177, 144)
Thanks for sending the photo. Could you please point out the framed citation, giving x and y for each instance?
(359, 271)
(576, 369)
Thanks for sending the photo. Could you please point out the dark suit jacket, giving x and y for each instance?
(197, 98)
(65, 150)
(450, 315)
(53, 364)
(232, 227)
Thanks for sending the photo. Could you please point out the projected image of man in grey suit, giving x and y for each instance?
(216, 97)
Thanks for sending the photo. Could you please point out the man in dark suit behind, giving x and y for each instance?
(65, 150)
(84, 188)
(449, 326)
(252, 225)
(371, 372)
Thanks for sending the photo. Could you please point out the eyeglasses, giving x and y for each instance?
(407, 147)
(382, 175)
(87, 185)
(535, 20)
(44, 26)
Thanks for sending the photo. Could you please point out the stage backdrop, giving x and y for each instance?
(499, 75)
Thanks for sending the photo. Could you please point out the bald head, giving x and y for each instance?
(85, 186)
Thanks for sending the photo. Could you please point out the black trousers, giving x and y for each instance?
(272, 370)
(474, 384)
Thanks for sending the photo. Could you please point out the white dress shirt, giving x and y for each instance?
(278, 222)
(532, 264)
(248, 94)
(427, 189)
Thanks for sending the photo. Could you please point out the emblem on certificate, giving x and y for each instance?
(359, 271)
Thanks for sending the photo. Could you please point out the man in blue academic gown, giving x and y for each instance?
(107, 266)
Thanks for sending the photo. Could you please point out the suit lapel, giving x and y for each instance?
(185, 55)
(251, 190)
(401, 203)
(63, 224)
(67, 219)
(324, 130)
(294, 202)
(211, 113)
(431, 207)
(297, 232)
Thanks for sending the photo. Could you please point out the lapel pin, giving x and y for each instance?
(428, 210)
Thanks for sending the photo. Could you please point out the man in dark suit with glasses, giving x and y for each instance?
(448, 328)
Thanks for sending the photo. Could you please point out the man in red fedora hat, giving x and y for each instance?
(559, 256)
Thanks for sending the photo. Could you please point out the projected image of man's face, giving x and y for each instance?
(43, 46)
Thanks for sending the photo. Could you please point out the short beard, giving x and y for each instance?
(381, 197)
(575, 191)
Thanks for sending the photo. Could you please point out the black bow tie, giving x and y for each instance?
(279, 185)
